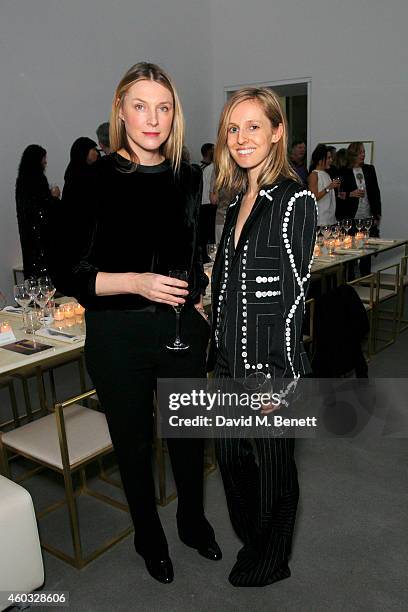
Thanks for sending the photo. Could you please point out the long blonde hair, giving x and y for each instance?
(144, 71)
(229, 175)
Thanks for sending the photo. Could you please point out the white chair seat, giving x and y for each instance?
(389, 280)
(39, 439)
(364, 293)
(21, 565)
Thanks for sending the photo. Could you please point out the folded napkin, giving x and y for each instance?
(323, 259)
(380, 241)
(61, 336)
(13, 309)
(350, 251)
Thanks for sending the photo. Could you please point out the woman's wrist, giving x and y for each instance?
(116, 283)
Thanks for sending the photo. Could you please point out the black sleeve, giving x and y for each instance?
(75, 224)
(374, 195)
(297, 239)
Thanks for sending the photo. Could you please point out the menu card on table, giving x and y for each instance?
(26, 347)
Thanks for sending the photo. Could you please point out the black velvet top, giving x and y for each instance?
(143, 220)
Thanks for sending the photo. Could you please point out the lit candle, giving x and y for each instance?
(5, 327)
(69, 310)
(316, 251)
(59, 313)
(79, 310)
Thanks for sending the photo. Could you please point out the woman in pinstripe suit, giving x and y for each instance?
(260, 280)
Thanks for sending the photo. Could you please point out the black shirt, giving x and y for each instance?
(139, 219)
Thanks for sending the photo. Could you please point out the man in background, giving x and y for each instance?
(297, 160)
(102, 134)
(208, 206)
(207, 154)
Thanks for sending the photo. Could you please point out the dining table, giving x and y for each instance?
(335, 264)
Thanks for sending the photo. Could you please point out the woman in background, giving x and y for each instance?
(36, 206)
(322, 186)
(260, 281)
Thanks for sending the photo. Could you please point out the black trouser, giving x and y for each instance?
(262, 499)
(125, 354)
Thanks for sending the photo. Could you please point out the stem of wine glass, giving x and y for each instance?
(177, 340)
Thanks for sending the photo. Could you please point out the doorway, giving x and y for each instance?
(294, 95)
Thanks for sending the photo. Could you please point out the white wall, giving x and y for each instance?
(62, 59)
(60, 63)
(356, 53)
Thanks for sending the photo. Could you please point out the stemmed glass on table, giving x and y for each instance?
(47, 290)
(23, 297)
(347, 225)
(178, 345)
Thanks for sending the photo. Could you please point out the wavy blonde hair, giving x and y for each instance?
(229, 176)
(144, 71)
(353, 151)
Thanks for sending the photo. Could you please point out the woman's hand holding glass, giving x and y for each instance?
(161, 289)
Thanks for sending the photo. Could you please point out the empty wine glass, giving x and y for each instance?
(335, 230)
(326, 231)
(178, 345)
(41, 299)
(368, 223)
(347, 224)
(46, 285)
(23, 298)
(32, 287)
(359, 224)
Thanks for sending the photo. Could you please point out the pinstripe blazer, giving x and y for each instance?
(259, 288)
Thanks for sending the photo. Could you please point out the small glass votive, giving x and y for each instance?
(5, 327)
(331, 243)
(79, 310)
(69, 312)
(59, 313)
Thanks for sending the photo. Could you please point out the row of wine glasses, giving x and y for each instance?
(344, 226)
(39, 291)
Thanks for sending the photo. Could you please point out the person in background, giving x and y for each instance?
(76, 192)
(207, 154)
(360, 184)
(145, 209)
(332, 171)
(362, 197)
(267, 244)
(297, 159)
(208, 208)
(36, 206)
(102, 134)
(322, 186)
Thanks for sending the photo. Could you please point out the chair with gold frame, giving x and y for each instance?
(390, 281)
(365, 287)
(308, 334)
(7, 383)
(65, 442)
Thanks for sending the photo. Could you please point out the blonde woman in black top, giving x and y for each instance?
(145, 208)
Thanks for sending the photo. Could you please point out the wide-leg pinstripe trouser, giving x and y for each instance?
(262, 498)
